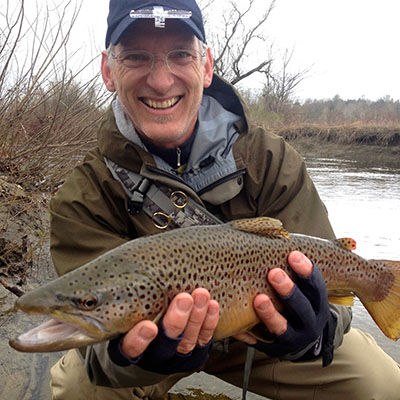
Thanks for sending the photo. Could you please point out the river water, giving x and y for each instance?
(363, 202)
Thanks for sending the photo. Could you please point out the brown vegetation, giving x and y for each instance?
(333, 126)
(48, 120)
(351, 134)
(47, 116)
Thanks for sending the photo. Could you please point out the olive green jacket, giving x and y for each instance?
(89, 212)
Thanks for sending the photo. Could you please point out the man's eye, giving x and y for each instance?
(136, 57)
(180, 54)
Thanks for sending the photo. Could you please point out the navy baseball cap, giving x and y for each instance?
(123, 13)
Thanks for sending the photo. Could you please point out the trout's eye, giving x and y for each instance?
(88, 302)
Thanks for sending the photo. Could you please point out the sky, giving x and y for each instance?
(350, 47)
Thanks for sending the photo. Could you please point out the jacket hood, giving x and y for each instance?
(228, 97)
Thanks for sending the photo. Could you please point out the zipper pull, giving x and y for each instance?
(178, 157)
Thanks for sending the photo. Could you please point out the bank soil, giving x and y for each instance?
(368, 144)
(24, 265)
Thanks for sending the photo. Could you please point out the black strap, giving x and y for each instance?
(167, 207)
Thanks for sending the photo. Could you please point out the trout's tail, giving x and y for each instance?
(386, 311)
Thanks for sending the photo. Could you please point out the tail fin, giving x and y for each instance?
(386, 312)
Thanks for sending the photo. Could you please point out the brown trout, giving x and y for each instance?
(138, 279)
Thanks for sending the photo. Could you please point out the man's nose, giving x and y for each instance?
(160, 76)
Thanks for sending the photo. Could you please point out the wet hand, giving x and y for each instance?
(307, 326)
(274, 321)
(181, 341)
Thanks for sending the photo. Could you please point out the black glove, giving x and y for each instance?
(311, 324)
(161, 355)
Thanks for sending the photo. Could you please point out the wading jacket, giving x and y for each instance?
(251, 173)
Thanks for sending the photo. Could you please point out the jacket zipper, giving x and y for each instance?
(178, 157)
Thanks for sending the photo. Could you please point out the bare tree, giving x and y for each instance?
(279, 87)
(236, 36)
(234, 44)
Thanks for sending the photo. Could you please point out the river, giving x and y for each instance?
(363, 202)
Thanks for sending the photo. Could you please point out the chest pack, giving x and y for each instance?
(168, 208)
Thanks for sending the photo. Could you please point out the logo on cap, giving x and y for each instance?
(159, 15)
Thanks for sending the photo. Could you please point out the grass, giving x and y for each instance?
(48, 117)
(48, 120)
(350, 134)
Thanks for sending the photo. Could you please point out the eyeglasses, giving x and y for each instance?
(143, 61)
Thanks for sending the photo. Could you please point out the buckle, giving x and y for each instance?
(134, 207)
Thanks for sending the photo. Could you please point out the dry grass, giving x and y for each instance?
(48, 118)
(358, 133)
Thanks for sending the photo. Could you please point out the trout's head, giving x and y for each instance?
(88, 305)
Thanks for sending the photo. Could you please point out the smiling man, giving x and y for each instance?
(160, 88)
(176, 148)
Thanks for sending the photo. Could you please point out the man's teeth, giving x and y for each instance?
(161, 104)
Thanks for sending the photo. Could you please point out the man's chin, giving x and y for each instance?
(164, 137)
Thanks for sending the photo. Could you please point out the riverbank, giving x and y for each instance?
(369, 144)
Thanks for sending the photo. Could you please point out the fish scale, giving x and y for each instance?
(138, 280)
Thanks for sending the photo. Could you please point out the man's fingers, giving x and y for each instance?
(209, 324)
(280, 281)
(274, 321)
(195, 315)
(300, 263)
(177, 315)
(138, 338)
(201, 299)
(268, 314)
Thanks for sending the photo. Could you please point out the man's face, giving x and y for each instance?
(162, 105)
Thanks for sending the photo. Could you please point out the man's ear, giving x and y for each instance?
(107, 73)
(208, 69)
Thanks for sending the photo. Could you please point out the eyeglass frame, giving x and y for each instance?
(164, 57)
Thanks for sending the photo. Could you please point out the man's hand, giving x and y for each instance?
(181, 341)
(308, 325)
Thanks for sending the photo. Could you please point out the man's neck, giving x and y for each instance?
(176, 157)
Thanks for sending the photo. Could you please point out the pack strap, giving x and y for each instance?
(168, 208)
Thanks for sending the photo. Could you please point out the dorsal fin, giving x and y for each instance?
(265, 226)
(346, 243)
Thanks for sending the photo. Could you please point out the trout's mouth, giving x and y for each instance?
(57, 335)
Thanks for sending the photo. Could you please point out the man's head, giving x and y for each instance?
(158, 64)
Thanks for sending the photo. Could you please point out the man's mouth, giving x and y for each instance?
(160, 105)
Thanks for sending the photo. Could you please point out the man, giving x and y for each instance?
(176, 124)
